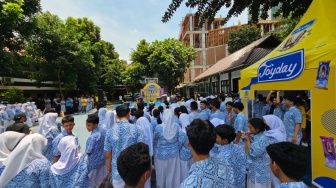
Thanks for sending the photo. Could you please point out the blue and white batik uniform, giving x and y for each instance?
(209, 172)
(218, 114)
(55, 142)
(292, 185)
(240, 124)
(292, 117)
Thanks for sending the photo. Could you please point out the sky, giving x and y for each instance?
(125, 22)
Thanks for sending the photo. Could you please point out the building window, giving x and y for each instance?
(214, 87)
(225, 86)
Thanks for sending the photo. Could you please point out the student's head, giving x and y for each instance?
(203, 104)
(20, 117)
(123, 111)
(288, 159)
(68, 123)
(177, 111)
(257, 125)
(215, 105)
(193, 106)
(184, 109)
(100, 105)
(225, 134)
(229, 105)
(221, 98)
(141, 106)
(160, 108)
(202, 136)
(156, 114)
(138, 114)
(290, 101)
(92, 122)
(238, 107)
(134, 164)
(49, 110)
(132, 111)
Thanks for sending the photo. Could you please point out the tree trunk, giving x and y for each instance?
(59, 81)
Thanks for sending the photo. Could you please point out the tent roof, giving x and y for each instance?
(318, 39)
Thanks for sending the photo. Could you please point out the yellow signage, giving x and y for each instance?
(151, 91)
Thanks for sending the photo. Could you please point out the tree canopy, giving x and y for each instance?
(242, 37)
(17, 23)
(258, 9)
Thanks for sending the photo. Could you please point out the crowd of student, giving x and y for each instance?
(189, 144)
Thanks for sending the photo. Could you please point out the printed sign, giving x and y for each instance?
(322, 75)
(281, 68)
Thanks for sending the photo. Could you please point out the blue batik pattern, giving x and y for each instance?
(291, 118)
(58, 138)
(279, 112)
(34, 176)
(214, 152)
(48, 150)
(259, 169)
(120, 137)
(166, 150)
(240, 124)
(154, 123)
(177, 121)
(292, 185)
(222, 107)
(194, 115)
(95, 146)
(226, 117)
(77, 177)
(185, 151)
(205, 114)
(2, 168)
(265, 110)
(209, 173)
(235, 156)
(218, 114)
(257, 109)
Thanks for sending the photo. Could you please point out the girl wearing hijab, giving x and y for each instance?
(25, 110)
(26, 166)
(10, 112)
(146, 127)
(5, 117)
(277, 133)
(167, 162)
(259, 174)
(101, 125)
(71, 170)
(185, 152)
(8, 141)
(48, 128)
(109, 119)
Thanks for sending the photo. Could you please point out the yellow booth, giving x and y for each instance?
(151, 91)
(306, 60)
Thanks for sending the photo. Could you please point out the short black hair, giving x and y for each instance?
(222, 97)
(177, 111)
(160, 108)
(216, 104)
(226, 132)
(292, 98)
(122, 111)
(100, 105)
(291, 158)
(133, 110)
(133, 162)
(259, 124)
(229, 103)
(201, 135)
(92, 118)
(193, 105)
(238, 105)
(204, 102)
(49, 110)
(67, 119)
(138, 114)
(184, 109)
(141, 106)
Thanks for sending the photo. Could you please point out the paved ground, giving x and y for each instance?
(79, 129)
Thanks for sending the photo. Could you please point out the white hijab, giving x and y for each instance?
(217, 121)
(109, 119)
(47, 123)
(184, 121)
(277, 128)
(8, 141)
(69, 156)
(170, 128)
(28, 150)
(101, 115)
(147, 128)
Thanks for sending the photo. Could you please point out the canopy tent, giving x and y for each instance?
(306, 60)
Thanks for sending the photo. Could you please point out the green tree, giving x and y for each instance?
(56, 52)
(133, 74)
(242, 37)
(285, 27)
(17, 23)
(13, 95)
(140, 55)
(170, 60)
(258, 9)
